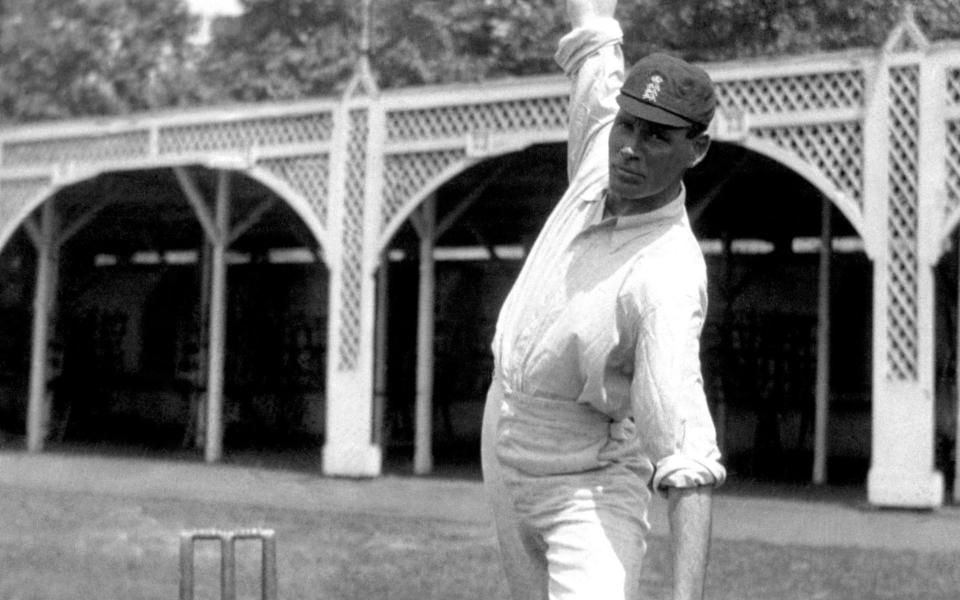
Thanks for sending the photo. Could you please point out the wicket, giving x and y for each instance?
(228, 570)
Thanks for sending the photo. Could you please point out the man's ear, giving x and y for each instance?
(700, 145)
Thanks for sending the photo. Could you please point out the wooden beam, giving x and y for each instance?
(417, 221)
(203, 346)
(423, 431)
(483, 241)
(33, 232)
(252, 218)
(726, 275)
(468, 201)
(697, 211)
(381, 353)
(44, 299)
(309, 242)
(82, 220)
(822, 401)
(195, 198)
(213, 450)
(956, 390)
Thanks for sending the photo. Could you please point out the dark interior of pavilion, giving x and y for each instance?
(128, 347)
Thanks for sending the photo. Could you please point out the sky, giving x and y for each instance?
(214, 7)
(209, 9)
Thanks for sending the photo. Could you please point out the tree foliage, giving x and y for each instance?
(283, 49)
(295, 48)
(89, 57)
(92, 57)
(464, 40)
(730, 29)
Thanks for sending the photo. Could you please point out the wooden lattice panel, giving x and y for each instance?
(953, 86)
(309, 175)
(531, 114)
(902, 224)
(16, 193)
(953, 166)
(793, 93)
(82, 149)
(835, 149)
(246, 133)
(406, 174)
(352, 241)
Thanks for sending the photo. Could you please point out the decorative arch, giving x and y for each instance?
(847, 205)
(305, 209)
(429, 170)
(21, 197)
(413, 201)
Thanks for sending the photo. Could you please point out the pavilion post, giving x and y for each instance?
(423, 444)
(203, 344)
(380, 367)
(822, 393)
(726, 282)
(904, 173)
(44, 297)
(956, 386)
(213, 450)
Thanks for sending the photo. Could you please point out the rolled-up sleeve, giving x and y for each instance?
(591, 57)
(670, 408)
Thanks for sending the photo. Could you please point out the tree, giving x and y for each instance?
(283, 49)
(731, 29)
(62, 58)
(302, 48)
(438, 41)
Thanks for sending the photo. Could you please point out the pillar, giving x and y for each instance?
(213, 449)
(426, 300)
(821, 420)
(350, 447)
(44, 299)
(898, 173)
(381, 350)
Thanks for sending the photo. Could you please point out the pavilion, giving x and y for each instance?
(827, 208)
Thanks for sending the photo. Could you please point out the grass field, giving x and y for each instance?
(58, 545)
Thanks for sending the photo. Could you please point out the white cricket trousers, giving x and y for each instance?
(563, 534)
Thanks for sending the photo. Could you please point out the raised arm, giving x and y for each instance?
(590, 56)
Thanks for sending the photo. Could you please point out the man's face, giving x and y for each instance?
(648, 160)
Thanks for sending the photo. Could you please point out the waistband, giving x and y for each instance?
(543, 436)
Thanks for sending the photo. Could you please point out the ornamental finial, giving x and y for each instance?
(363, 82)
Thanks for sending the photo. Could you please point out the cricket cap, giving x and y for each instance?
(668, 90)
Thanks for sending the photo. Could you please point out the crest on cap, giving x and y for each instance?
(653, 88)
(668, 90)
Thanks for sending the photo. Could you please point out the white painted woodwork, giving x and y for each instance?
(44, 300)
(213, 448)
(426, 299)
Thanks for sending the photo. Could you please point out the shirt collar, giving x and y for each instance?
(672, 211)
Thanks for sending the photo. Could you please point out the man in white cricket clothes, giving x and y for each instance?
(597, 398)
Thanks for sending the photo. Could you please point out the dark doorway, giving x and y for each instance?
(128, 340)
